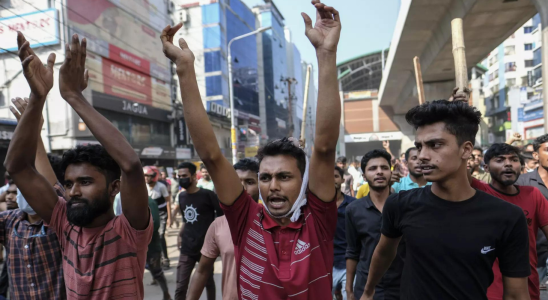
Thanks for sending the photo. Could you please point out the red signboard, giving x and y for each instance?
(127, 83)
(128, 59)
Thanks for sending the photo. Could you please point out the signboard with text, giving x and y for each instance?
(41, 28)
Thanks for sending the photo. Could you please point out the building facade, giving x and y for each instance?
(130, 79)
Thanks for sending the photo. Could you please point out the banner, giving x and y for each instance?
(41, 28)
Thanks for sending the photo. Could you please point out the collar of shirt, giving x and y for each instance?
(346, 201)
(269, 223)
(536, 177)
(22, 216)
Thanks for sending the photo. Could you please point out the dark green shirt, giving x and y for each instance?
(154, 246)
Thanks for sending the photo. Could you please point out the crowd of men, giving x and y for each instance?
(444, 220)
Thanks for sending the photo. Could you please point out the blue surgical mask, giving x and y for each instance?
(23, 204)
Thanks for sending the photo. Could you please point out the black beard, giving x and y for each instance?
(415, 174)
(84, 215)
(378, 188)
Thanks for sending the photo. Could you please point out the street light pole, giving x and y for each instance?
(231, 91)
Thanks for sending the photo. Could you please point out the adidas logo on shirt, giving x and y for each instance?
(301, 247)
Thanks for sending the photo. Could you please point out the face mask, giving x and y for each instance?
(529, 170)
(23, 204)
(184, 183)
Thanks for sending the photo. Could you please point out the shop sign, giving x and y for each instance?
(183, 153)
(375, 136)
(40, 28)
(152, 151)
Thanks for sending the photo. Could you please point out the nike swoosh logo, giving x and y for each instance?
(486, 251)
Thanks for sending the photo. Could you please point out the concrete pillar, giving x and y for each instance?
(542, 8)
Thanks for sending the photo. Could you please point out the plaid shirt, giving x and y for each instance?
(34, 260)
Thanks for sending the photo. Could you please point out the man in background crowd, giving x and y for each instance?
(348, 185)
(357, 178)
(158, 192)
(199, 208)
(205, 182)
(363, 231)
(218, 240)
(414, 179)
(474, 166)
(530, 163)
(339, 242)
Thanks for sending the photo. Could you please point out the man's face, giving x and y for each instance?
(377, 173)
(11, 197)
(163, 175)
(414, 164)
(280, 183)
(471, 164)
(341, 165)
(250, 182)
(185, 173)
(531, 164)
(90, 196)
(505, 169)
(543, 155)
(338, 180)
(149, 177)
(478, 155)
(205, 174)
(441, 156)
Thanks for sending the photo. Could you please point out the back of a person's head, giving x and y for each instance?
(188, 165)
(284, 146)
(375, 154)
(527, 156)
(55, 162)
(341, 159)
(539, 141)
(247, 164)
(95, 155)
(461, 120)
(499, 149)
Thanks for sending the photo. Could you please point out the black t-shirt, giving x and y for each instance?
(199, 210)
(451, 246)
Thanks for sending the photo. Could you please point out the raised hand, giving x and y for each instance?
(18, 108)
(327, 30)
(73, 77)
(460, 96)
(386, 144)
(39, 77)
(182, 57)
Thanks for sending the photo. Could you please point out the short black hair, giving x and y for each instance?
(527, 155)
(501, 149)
(95, 155)
(409, 151)
(460, 119)
(375, 154)
(479, 149)
(188, 165)
(340, 170)
(341, 159)
(55, 162)
(202, 166)
(284, 146)
(539, 141)
(247, 164)
(530, 144)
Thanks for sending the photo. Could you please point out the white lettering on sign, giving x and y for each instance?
(6, 135)
(130, 58)
(124, 75)
(40, 28)
(135, 108)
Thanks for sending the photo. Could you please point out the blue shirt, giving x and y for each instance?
(406, 184)
(340, 234)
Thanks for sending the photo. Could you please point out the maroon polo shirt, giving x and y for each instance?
(272, 262)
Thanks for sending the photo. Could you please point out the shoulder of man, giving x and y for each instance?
(525, 178)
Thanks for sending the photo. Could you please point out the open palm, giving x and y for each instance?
(39, 77)
(326, 32)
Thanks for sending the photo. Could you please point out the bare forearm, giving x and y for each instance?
(111, 138)
(380, 262)
(199, 280)
(351, 266)
(22, 149)
(42, 163)
(328, 112)
(200, 129)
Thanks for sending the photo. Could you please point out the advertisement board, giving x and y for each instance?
(125, 56)
(41, 28)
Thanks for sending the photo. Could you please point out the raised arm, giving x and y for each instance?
(324, 36)
(20, 159)
(133, 192)
(42, 164)
(227, 182)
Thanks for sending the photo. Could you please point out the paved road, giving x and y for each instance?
(155, 292)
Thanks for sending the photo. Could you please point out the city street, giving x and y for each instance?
(153, 292)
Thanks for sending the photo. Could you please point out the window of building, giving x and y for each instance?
(212, 61)
(527, 29)
(493, 60)
(529, 63)
(528, 47)
(509, 50)
(510, 67)
(214, 85)
(511, 82)
(537, 57)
